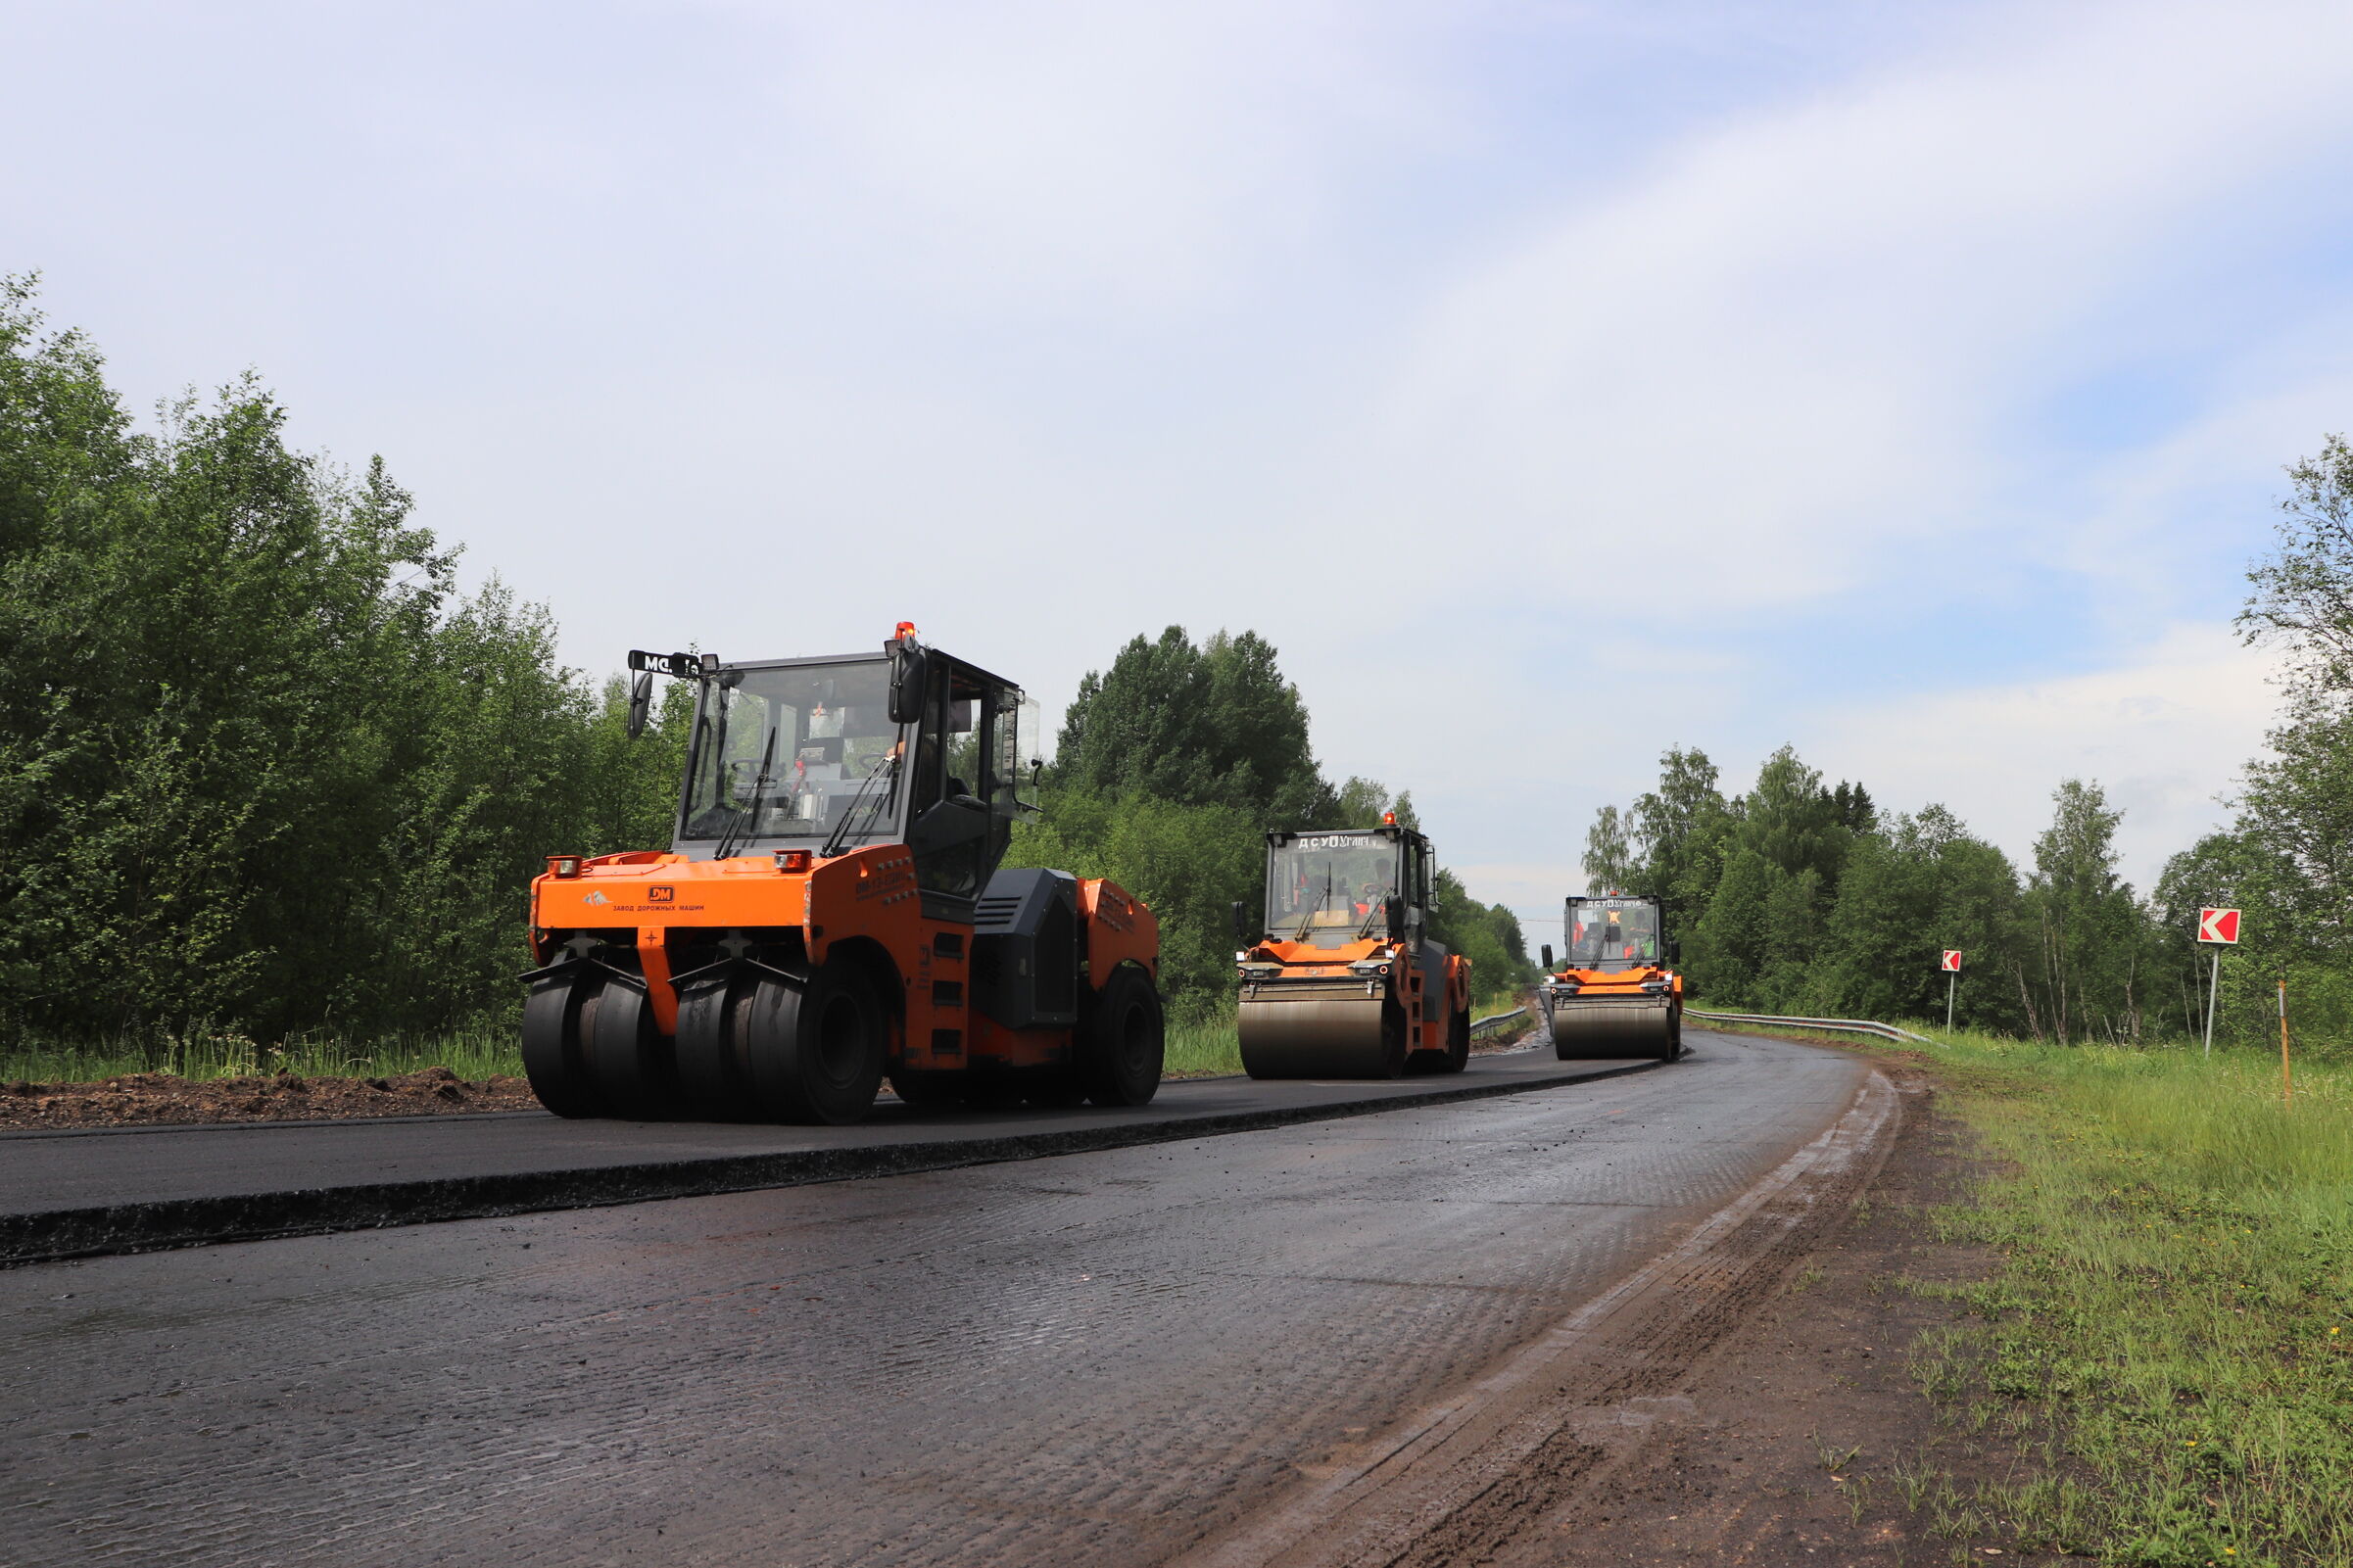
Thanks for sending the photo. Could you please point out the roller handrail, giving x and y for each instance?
(1494, 1020)
(1886, 1031)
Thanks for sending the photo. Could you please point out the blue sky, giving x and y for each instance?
(1552, 383)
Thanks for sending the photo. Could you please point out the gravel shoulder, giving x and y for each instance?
(166, 1099)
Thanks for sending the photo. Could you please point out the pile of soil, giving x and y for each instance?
(162, 1097)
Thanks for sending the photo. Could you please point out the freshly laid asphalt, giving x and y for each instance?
(1089, 1359)
(83, 1192)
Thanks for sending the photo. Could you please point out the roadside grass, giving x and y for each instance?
(2167, 1337)
(483, 1052)
(1203, 1048)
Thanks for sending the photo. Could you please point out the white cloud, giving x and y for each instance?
(1799, 336)
(2165, 730)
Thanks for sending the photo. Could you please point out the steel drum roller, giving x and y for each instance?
(1316, 1036)
(1600, 1026)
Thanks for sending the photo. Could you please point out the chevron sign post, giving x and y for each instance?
(1950, 963)
(2219, 928)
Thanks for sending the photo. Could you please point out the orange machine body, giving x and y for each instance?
(676, 914)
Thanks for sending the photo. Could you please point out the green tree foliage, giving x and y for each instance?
(259, 763)
(2087, 973)
(1208, 724)
(2288, 860)
(1922, 885)
(1609, 852)
(1682, 830)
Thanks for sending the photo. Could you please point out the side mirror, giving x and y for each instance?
(641, 699)
(1394, 911)
(910, 668)
(1241, 926)
(1674, 950)
(1548, 958)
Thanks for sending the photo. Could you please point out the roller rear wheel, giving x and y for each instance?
(1122, 1045)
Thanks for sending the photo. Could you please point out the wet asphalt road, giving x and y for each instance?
(1092, 1358)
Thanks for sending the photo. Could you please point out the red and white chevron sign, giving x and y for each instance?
(2218, 925)
(1952, 960)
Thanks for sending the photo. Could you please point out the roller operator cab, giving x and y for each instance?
(1346, 982)
(1614, 993)
(831, 913)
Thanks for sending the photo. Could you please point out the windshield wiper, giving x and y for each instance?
(1308, 919)
(887, 767)
(736, 837)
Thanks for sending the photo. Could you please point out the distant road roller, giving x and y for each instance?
(1614, 994)
(1346, 982)
(830, 913)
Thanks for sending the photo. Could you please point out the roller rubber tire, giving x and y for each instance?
(627, 1058)
(815, 1048)
(552, 1056)
(1123, 1044)
(714, 1074)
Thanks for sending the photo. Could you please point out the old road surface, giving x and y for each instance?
(1400, 1337)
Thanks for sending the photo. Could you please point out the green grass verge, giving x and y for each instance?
(2167, 1336)
(479, 1053)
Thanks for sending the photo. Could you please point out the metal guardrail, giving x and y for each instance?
(1494, 1022)
(1886, 1031)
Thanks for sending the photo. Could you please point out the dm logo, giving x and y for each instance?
(596, 897)
(661, 895)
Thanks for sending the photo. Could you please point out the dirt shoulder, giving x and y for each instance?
(144, 1098)
(1807, 1437)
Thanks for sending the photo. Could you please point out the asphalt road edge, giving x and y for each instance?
(61, 1234)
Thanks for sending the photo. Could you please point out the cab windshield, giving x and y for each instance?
(1611, 933)
(1331, 889)
(785, 753)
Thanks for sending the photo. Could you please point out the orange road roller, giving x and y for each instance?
(1346, 982)
(1613, 994)
(831, 913)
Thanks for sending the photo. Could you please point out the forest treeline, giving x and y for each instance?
(265, 769)
(1797, 897)
(262, 766)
